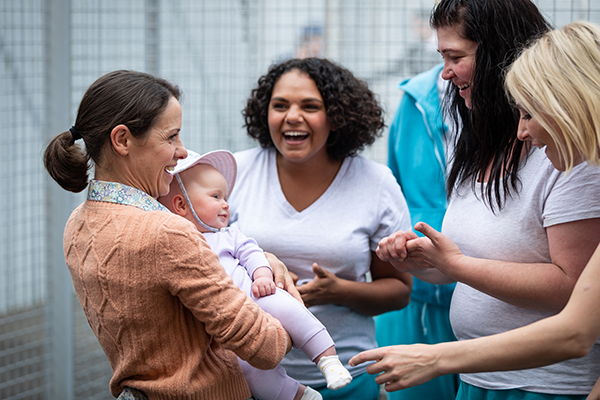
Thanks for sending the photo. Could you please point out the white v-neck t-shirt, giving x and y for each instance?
(338, 231)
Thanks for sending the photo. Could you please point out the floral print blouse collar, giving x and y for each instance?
(113, 192)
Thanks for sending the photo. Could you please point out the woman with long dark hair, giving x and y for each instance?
(517, 232)
(555, 85)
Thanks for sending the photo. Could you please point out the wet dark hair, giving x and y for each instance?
(352, 109)
(132, 98)
(487, 133)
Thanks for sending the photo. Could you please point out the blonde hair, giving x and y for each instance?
(557, 81)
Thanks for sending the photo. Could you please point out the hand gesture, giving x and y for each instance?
(434, 250)
(394, 250)
(322, 289)
(400, 367)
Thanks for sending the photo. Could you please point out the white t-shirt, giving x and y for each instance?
(518, 234)
(338, 231)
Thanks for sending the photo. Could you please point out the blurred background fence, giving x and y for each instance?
(215, 50)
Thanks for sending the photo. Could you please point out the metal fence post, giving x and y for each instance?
(58, 201)
(153, 37)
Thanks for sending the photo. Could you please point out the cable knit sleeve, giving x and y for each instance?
(192, 272)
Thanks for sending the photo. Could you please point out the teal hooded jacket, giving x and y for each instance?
(417, 160)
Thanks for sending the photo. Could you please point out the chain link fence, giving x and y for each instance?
(52, 50)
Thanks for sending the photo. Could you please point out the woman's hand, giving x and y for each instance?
(322, 289)
(400, 367)
(283, 280)
(434, 250)
(425, 257)
(393, 249)
(389, 289)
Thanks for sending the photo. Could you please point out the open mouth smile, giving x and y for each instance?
(295, 136)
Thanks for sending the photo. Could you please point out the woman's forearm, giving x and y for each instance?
(374, 298)
(543, 343)
(569, 334)
(541, 287)
(388, 289)
(537, 286)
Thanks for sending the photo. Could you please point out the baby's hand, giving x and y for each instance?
(263, 286)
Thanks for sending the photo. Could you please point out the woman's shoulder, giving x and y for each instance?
(539, 167)
(149, 228)
(251, 156)
(564, 197)
(366, 177)
(158, 226)
(174, 237)
(369, 169)
(169, 222)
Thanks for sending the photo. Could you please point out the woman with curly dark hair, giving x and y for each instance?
(351, 107)
(306, 196)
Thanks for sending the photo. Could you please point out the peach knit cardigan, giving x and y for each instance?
(166, 314)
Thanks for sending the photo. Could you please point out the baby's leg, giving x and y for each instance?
(275, 384)
(308, 334)
(272, 384)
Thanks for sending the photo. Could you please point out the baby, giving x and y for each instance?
(199, 192)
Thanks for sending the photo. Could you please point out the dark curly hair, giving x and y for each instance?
(352, 108)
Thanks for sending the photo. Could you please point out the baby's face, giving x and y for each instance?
(207, 190)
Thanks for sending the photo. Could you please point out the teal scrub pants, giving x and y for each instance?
(470, 392)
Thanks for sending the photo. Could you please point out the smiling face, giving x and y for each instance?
(207, 190)
(157, 152)
(459, 59)
(297, 118)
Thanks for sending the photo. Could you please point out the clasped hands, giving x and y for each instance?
(408, 252)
